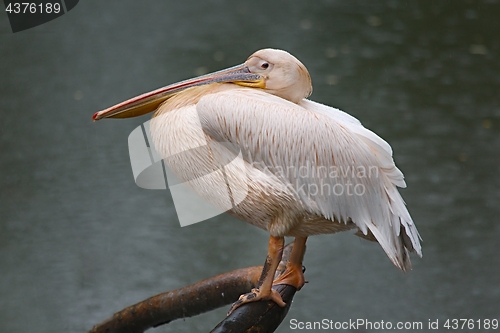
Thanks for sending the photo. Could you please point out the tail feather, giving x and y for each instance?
(397, 249)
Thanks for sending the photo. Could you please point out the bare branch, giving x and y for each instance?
(189, 301)
(205, 296)
(258, 316)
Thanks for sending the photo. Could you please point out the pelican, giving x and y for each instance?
(307, 169)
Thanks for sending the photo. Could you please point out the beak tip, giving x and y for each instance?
(95, 117)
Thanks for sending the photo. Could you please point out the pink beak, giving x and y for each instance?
(150, 101)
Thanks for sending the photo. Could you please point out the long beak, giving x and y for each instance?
(150, 101)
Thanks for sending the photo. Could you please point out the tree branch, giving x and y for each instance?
(258, 316)
(205, 296)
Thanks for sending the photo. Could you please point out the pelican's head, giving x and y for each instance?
(283, 75)
(275, 71)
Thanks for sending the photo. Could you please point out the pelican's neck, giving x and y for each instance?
(192, 96)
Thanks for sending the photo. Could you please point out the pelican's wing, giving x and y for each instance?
(379, 146)
(335, 166)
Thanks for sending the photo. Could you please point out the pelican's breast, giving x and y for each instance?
(217, 172)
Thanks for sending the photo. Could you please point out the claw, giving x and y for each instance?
(293, 276)
(257, 295)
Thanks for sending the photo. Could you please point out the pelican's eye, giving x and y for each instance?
(258, 65)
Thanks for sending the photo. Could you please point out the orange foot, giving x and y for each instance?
(293, 276)
(258, 295)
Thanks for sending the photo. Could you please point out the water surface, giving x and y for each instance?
(80, 241)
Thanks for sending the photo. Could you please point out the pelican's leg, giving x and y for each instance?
(293, 274)
(264, 291)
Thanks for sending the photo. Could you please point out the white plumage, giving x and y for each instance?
(352, 176)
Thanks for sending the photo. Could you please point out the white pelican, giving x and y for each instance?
(308, 168)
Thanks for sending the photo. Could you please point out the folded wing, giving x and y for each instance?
(336, 167)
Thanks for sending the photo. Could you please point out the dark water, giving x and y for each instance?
(79, 240)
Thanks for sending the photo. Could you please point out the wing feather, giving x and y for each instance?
(334, 165)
